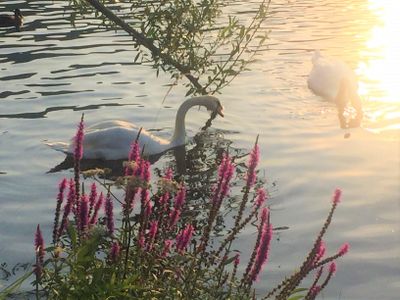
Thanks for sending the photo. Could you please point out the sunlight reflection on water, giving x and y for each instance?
(380, 64)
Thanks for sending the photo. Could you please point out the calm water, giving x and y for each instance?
(51, 72)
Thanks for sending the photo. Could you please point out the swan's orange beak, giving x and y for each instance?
(220, 110)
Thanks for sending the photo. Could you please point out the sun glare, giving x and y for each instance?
(380, 71)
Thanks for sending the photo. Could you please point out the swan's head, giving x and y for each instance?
(17, 13)
(214, 105)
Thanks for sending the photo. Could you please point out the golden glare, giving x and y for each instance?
(380, 71)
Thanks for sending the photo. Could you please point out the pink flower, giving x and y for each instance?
(314, 291)
(115, 252)
(148, 209)
(264, 216)
(67, 207)
(337, 196)
(78, 141)
(332, 268)
(39, 250)
(174, 216)
(109, 214)
(84, 213)
(93, 219)
(141, 240)
(152, 234)
(178, 204)
(167, 248)
(237, 260)
(92, 197)
(261, 197)
(321, 249)
(60, 199)
(252, 165)
(145, 170)
(134, 154)
(230, 169)
(180, 198)
(344, 249)
(225, 173)
(183, 238)
(263, 248)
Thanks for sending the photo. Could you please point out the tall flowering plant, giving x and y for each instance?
(154, 249)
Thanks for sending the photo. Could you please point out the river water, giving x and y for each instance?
(51, 72)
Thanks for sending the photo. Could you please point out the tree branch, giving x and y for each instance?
(147, 43)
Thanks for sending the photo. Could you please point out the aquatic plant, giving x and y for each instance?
(154, 250)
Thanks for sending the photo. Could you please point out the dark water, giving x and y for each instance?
(51, 72)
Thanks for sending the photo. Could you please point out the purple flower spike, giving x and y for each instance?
(225, 173)
(252, 165)
(332, 268)
(314, 291)
(67, 207)
(148, 209)
(230, 169)
(99, 203)
(263, 248)
(337, 196)
(167, 248)
(344, 249)
(178, 204)
(168, 174)
(145, 172)
(152, 234)
(174, 216)
(60, 200)
(92, 197)
(78, 141)
(321, 249)
(261, 197)
(134, 153)
(84, 214)
(109, 214)
(180, 198)
(39, 250)
(134, 156)
(115, 252)
(237, 260)
(183, 238)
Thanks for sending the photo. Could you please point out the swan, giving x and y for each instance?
(111, 140)
(12, 21)
(335, 81)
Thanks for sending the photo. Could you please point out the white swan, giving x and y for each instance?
(333, 80)
(111, 140)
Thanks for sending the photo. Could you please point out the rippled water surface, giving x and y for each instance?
(51, 72)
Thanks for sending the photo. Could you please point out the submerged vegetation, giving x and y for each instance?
(154, 249)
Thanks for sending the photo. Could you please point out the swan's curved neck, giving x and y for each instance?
(178, 137)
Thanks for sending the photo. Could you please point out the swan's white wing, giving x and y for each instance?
(108, 143)
(59, 146)
(110, 124)
(115, 143)
(325, 77)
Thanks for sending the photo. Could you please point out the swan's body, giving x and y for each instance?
(12, 21)
(112, 140)
(333, 80)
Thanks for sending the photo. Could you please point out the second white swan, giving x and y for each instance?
(111, 140)
(335, 81)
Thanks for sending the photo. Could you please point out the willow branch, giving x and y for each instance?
(147, 43)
